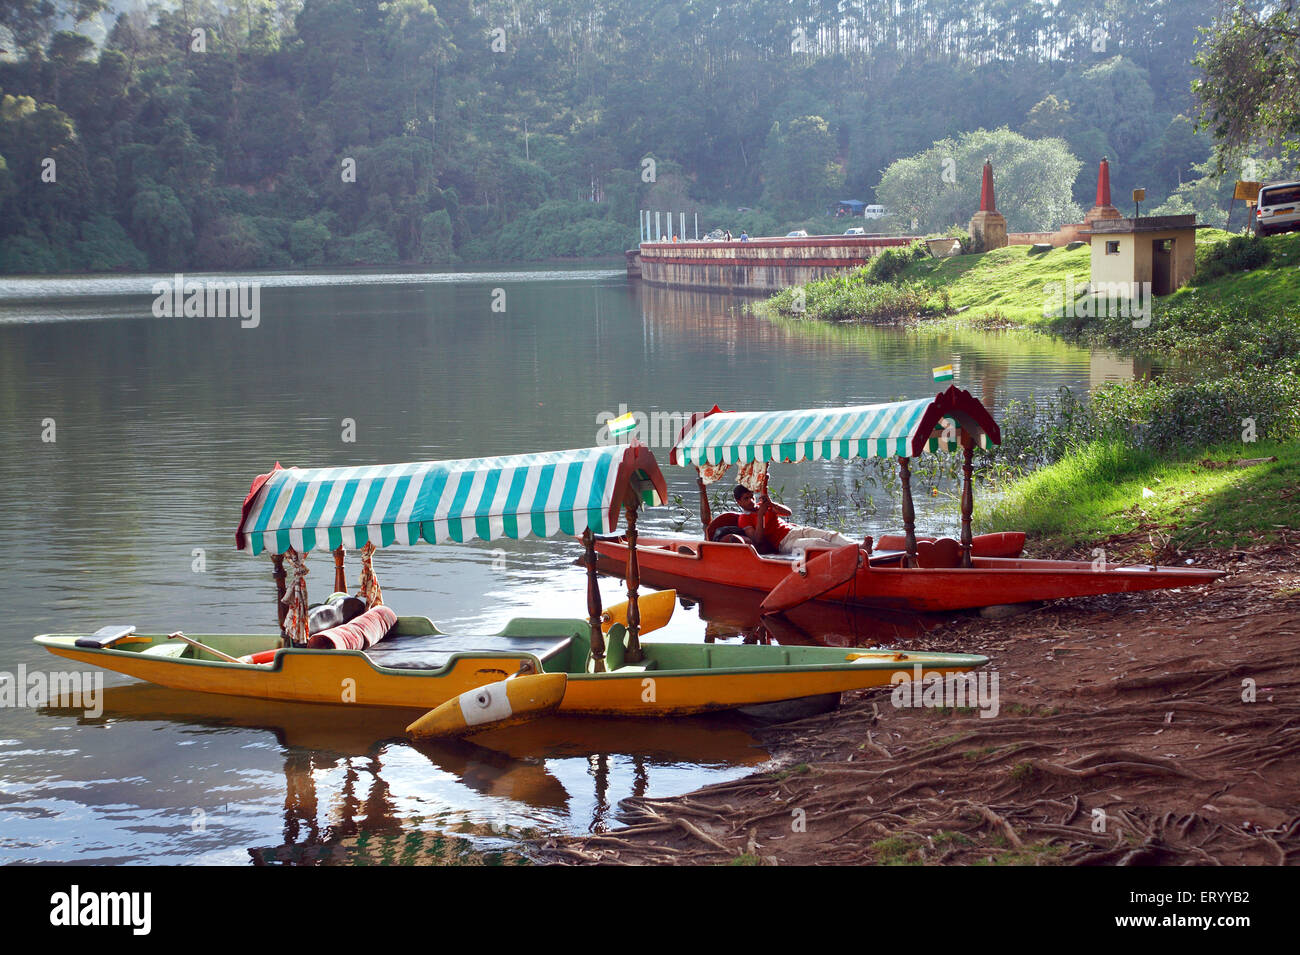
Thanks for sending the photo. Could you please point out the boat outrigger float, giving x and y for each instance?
(534, 666)
(904, 572)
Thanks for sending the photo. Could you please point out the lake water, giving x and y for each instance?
(128, 442)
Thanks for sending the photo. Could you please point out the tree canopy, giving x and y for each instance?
(337, 131)
(1250, 87)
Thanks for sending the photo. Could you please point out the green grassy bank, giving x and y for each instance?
(1010, 286)
(1109, 488)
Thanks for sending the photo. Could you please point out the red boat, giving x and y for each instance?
(883, 582)
(906, 572)
(731, 612)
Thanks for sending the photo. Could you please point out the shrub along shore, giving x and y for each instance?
(1201, 454)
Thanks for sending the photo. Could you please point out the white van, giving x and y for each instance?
(874, 212)
(1278, 208)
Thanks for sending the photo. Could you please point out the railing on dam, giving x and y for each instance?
(758, 265)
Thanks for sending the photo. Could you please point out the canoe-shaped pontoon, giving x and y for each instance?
(423, 669)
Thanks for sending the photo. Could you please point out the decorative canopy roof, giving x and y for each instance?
(897, 429)
(542, 494)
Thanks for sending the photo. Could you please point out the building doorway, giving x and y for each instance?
(1162, 266)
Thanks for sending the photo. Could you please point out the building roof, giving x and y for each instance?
(1142, 224)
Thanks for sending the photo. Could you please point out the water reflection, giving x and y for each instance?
(354, 789)
(894, 361)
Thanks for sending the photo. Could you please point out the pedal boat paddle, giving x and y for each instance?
(815, 577)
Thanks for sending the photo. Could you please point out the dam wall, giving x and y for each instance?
(758, 266)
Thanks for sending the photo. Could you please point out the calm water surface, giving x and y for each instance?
(128, 516)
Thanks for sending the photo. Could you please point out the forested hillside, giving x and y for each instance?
(276, 133)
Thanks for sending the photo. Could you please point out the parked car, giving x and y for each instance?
(797, 234)
(1278, 208)
(856, 230)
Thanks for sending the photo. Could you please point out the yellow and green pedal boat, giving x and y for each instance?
(533, 667)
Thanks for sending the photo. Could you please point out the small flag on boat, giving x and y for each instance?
(943, 373)
(623, 425)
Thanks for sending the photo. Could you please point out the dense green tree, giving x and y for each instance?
(1250, 87)
(939, 188)
(799, 162)
(308, 239)
(435, 237)
(161, 225)
(1207, 191)
(104, 246)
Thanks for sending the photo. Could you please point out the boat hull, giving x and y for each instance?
(673, 679)
(884, 584)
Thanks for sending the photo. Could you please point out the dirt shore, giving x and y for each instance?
(1157, 728)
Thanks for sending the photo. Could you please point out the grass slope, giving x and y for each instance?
(1272, 287)
(1007, 284)
(1098, 492)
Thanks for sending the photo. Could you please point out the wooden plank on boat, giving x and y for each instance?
(824, 572)
(105, 637)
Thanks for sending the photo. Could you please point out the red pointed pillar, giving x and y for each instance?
(988, 225)
(987, 203)
(1103, 182)
(1102, 209)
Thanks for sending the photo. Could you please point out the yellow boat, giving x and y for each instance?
(607, 670)
(671, 679)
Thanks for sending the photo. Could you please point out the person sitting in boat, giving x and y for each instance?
(762, 521)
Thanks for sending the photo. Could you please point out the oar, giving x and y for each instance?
(199, 646)
(656, 610)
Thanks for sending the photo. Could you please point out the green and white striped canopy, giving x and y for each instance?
(543, 494)
(896, 429)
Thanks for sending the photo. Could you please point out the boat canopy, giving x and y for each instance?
(897, 429)
(542, 494)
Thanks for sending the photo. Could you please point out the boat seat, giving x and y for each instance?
(941, 553)
(879, 557)
(615, 649)
(170, 650)
(638, 667)
(433, 652)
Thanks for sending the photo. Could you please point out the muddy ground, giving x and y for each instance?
(1157, 728)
